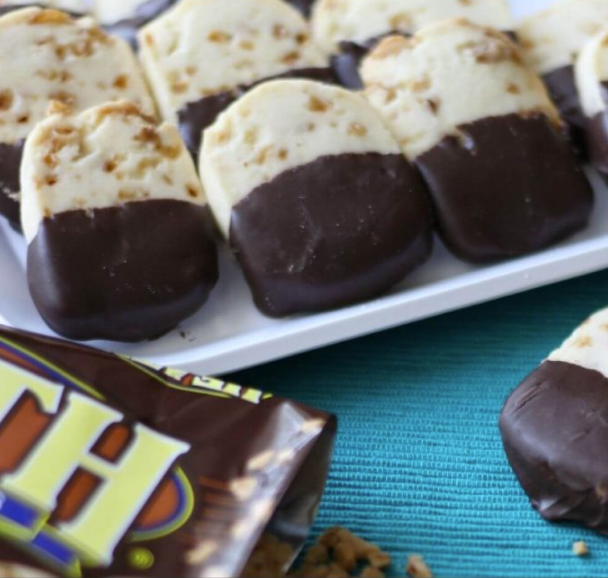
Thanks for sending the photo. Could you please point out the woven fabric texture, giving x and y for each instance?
(419, 465)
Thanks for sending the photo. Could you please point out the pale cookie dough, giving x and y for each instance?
(449, 74)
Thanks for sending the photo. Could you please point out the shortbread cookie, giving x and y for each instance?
(555, 432)
(116, 223)
(592, 85)
(551, 40)
(482, 130)
(46, 56)
(200, 56)
(320, 207)
(348, 29)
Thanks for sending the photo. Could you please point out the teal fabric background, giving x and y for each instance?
(419, 466)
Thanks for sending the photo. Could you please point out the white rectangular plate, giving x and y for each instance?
(229, 333)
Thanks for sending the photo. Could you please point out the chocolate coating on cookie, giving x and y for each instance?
(501, 173)
(117, 224)
(69, 61)
(341, 229)
(125, 273)
(213, 49)
(504, 187)
(554, 429)
(318, 204)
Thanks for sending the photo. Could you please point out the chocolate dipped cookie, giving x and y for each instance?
(555, 433)
(592, 85)
(310, 188)
(551, 40)
(349, 29)
(481, 128)
(47, 56)
(117, 225)
(204, 54)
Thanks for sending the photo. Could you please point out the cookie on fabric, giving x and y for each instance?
(482, 130)
(310, 188)
(203, 54)
(47, 56)
(551, 40)
(349, 29)
(555, 433)
(117, 225)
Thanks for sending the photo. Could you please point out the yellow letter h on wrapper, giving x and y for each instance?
(66, 446)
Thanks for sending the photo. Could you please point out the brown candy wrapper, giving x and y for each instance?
(110, 467)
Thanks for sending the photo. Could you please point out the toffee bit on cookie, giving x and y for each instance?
(580, 549)
(417, 567)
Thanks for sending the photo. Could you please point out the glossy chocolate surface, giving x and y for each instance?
(196, 116)
(555, 433)
(506, 186)
(562, 88)
(333, 232)
(127, 273)
(10, 164)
